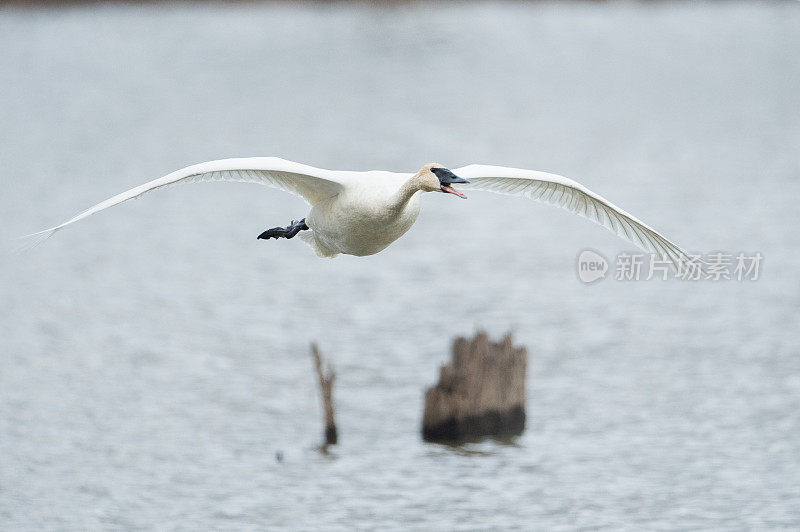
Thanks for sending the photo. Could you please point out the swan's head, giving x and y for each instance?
(436, 178)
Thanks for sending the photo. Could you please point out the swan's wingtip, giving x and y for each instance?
(26, 243)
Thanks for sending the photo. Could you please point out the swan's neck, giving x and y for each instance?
(404, 195)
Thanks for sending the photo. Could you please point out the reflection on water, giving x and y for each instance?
(154, 359)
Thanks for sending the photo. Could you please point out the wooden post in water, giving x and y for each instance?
(480, 393)
(326, 379)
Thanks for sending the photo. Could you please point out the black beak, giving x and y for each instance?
(446, 176)
(446, 179)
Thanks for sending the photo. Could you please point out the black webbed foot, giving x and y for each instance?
(276, 232)
(284, 232)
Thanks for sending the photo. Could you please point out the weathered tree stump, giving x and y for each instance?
(480, 393)
(326, 379)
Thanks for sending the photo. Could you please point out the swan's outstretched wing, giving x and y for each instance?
(574, 197)
(313, 184)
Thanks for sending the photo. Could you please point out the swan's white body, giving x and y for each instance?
(364, 218)
(361, 213)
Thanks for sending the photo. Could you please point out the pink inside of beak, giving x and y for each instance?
(450, 190)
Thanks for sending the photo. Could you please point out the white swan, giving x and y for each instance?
(361, 213)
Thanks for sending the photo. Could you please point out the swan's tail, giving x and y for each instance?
(309, 238)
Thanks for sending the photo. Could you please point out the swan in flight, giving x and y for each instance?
(361, 213)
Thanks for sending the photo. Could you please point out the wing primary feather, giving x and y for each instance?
(313, 184)
(563, 192)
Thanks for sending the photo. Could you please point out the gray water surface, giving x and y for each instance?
(154, 358)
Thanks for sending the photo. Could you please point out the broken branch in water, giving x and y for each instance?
(326, 379)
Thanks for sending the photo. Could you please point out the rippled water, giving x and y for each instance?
(154, 359)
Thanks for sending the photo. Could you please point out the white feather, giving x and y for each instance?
(313, 184)
(572, 196)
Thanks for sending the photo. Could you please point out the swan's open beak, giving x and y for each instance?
(446, 179)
